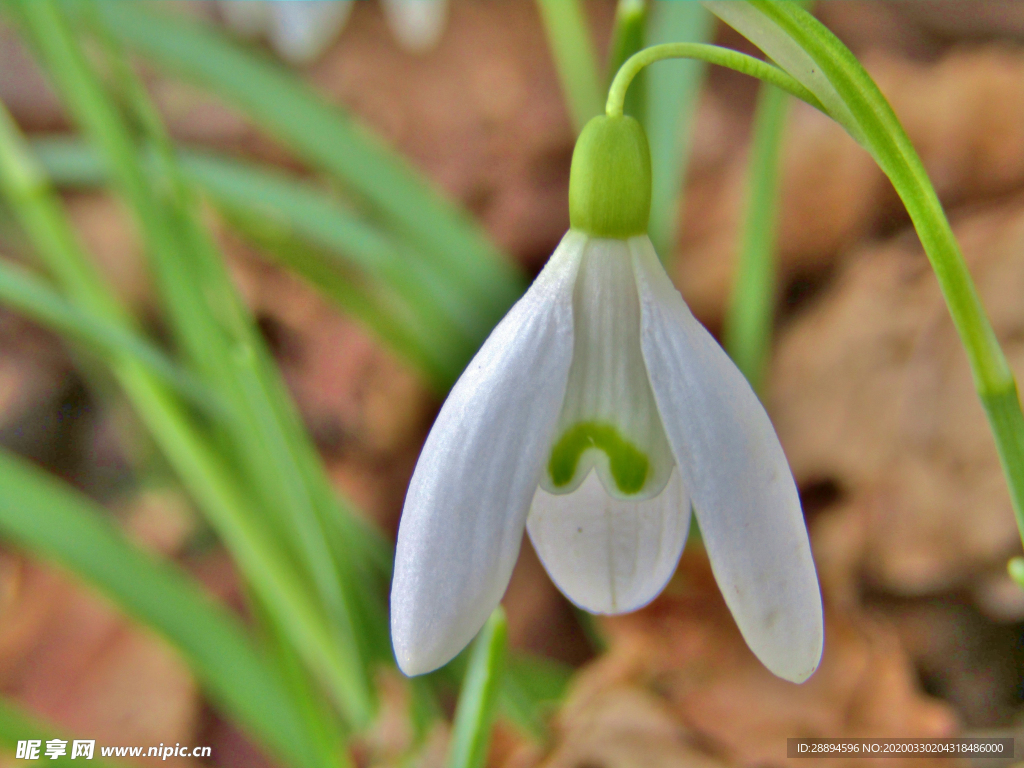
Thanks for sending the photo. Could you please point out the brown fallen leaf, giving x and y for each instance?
(678, 685)
(494, 134)
(969, 660)
(23, 88)
(963, 113)
(34, 384)
(69, 658)
(626, 726)
(106, 229)
(392, 741)
(871, 390)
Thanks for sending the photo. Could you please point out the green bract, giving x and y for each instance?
(610, 180)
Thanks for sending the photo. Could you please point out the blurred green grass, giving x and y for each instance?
(365, 230)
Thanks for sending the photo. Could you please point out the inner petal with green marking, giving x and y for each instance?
(609, 422)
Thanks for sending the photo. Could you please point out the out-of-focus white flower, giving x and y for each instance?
(301, 30)
(597, 412)
(416, 24)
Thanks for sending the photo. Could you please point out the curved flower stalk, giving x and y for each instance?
(595, 416)
(811, 55)
(301, 30)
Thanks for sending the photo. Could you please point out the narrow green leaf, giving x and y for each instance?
(214, 327)
(531, 690)
(751, 310)
(1015, 567)
(437, 303)
(791, 55)
(16, 726)
(628, 37)
(33, 298)
(40, 514)
(310, 701)
(572, 47)
(282, 462)
(41, 216)
(368, 301)
(213, 483)
(671, 107)
(471, 732)
(809, 52)
(258, 555)
(299, 224)
(325, 137)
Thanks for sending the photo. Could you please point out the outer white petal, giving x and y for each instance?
(303, 29)
(467, 503)
(733, 466)
(607, 555)
(417, 24)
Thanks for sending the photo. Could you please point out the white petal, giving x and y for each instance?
(417, 24)
(304, 29)
(608, 555)
(608, 404)
(467, 502)
(736, 473)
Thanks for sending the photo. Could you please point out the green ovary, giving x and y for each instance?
(629, 465)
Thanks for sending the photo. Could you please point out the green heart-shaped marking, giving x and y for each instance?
(628, 464)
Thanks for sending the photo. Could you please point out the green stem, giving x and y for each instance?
(883, 136)
(670, 113)
(712, 54)
(573, 51)
(628, 39)
(818, 60)
(471, 732)
(748, 321)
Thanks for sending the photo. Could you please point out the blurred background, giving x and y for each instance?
(213, 210)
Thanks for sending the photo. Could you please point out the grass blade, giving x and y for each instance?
(748, 322)
(228, 505)
(471, 732)
(298, 224)
(532, 688)
(572, 47)
(628, 37)
(215, 329)
(672, 91)
(48, 518)
(17, 726)
(31, 297)
(325, 137)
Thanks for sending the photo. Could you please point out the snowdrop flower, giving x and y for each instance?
(596, 414)
(301, 30)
